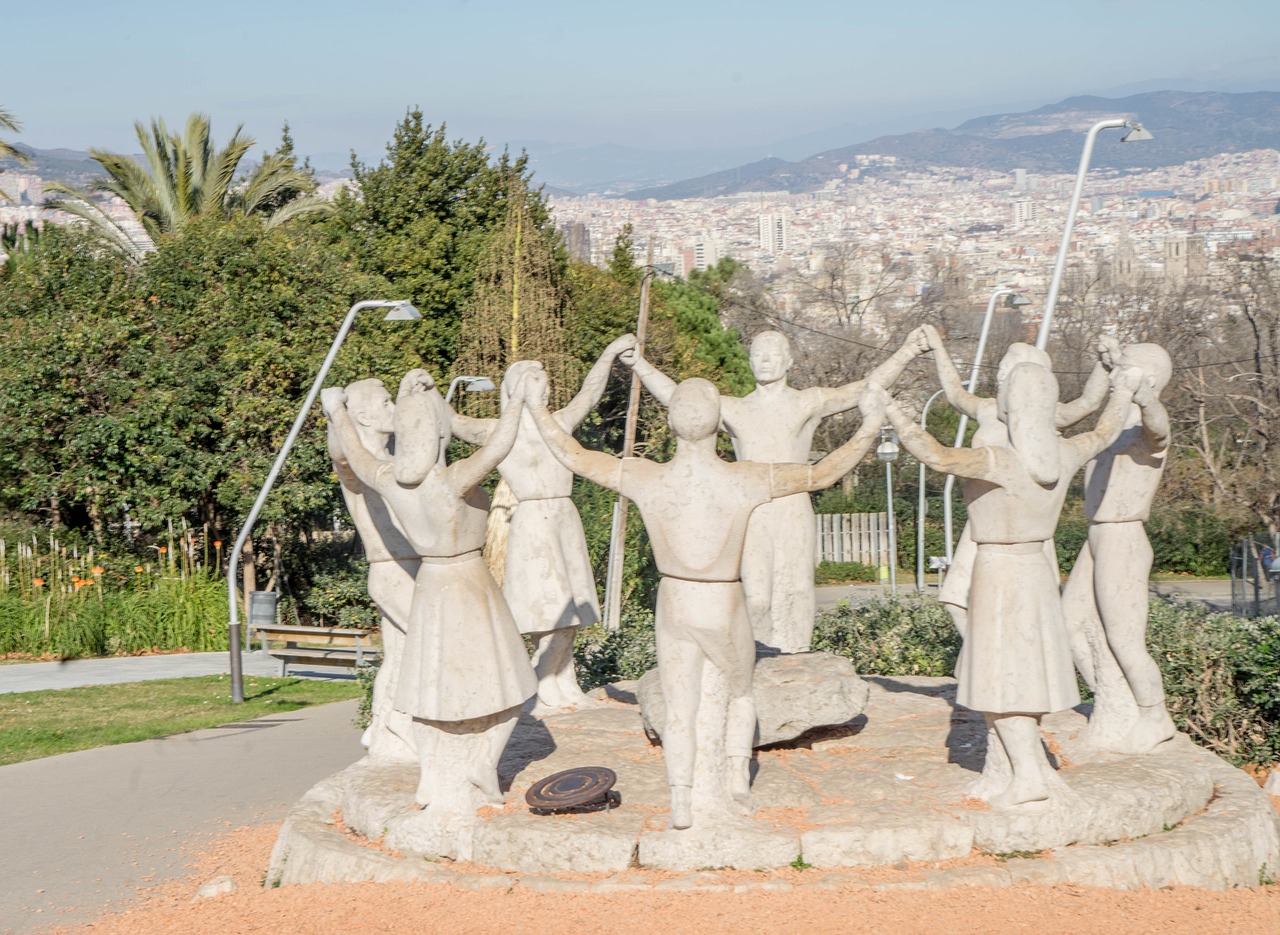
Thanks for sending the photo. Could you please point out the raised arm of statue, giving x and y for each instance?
(474, 431)
(786, 479)
(603, 469)
(654, 380)
(368, 470)
(346, 477)
(975, 463)
(952, 386)
(1155, 418)
(1088, 445)
(467, 473)
(844, 398)
(1093, 395)
(419, 432)
(571, 416)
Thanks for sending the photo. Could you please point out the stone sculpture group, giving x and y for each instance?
(734, 543)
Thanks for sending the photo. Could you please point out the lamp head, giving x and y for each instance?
(403, 311)
(1016, 300)
(887, 450)
(1137, 133)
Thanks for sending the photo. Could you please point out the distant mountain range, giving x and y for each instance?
(1187, 125)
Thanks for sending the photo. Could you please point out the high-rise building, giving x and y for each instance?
(773, 233)
(1019, 180)
(577, 238)
(1024, 212)
(706, 253)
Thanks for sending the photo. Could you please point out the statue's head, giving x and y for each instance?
(1028, 402)
(370, 405)
(1153, 360)
(511, 379)
(770, 356)
(694, 410)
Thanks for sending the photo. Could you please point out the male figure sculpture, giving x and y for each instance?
(1016, 662)
(464, 674)
(393, 564)
(696, 509)
(774, 424)
(548, 582)
(1105, 599)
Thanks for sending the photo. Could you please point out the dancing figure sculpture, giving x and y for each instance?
(696, 508)
(464, 674)
(774, 424)
(548, 581)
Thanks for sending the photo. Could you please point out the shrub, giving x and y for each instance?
(891, 636)
(603, 656)
(840, 572)
(1221, 678)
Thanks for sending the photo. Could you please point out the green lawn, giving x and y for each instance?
(36, 724)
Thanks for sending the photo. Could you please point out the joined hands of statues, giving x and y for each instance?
(873, 403)
(332, 399)
(932, 339)
(417, 381)
(626, 348)
(918, 341)
(1109, 351)
(533, 387)
(1127, 380)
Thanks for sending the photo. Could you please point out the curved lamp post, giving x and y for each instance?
(887, 452)
(1012, 299)
(400, 311)
(473, 385)
(1137, 132)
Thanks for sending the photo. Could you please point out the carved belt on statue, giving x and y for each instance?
(395, 558)
(539, 499)
(704, 580)
(449, 559)
(1013, 548)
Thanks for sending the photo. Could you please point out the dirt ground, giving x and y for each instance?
(243, 853)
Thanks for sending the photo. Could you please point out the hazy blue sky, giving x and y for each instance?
(658, 75)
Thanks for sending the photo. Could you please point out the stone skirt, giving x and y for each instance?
(463, 656)
(548, 581)
(1016, 658)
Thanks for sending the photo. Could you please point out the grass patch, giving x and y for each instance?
(44, 723)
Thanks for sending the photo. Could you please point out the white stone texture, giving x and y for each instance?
(794, 693)
(1223, 828)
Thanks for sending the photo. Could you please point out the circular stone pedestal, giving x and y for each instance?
(886, 790)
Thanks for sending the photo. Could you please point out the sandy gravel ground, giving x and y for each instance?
(403, 907)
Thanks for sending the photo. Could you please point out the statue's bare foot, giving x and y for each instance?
(1153, 727)
(1021, 791)
(486, 783)
(681, 807)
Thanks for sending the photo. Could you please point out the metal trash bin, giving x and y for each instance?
(262, 611)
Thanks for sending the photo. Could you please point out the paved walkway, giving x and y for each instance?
(85, 830)
(73, 673)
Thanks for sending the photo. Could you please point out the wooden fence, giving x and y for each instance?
(853, 537)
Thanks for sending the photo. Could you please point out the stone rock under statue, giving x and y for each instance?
(464, 673)
(774, 424)
(548, 582)
(1015, 665)
(696, 509)
(1105, 600)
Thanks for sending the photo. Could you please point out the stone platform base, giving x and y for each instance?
(885, 791)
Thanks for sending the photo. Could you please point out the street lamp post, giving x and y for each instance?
(1137, 132)
(887, 452)
(921, 504)
(473, 385)
(400, 311)
(1012, 299)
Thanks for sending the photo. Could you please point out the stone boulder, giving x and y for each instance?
(795, 692)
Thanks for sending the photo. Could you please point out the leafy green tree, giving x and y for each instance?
(423, 218)
(184, 177)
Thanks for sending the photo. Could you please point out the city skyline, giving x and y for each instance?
(580, 74)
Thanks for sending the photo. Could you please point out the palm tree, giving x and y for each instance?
(184, 177)
(7, 151)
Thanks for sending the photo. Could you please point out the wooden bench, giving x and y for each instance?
(322, 646)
